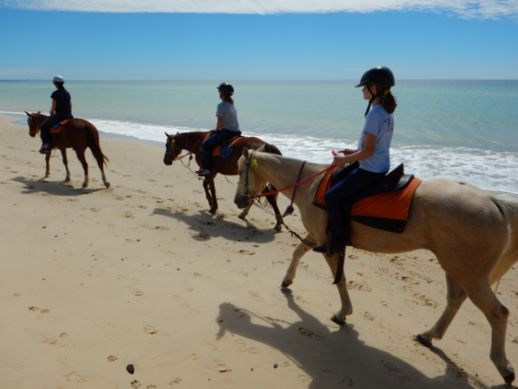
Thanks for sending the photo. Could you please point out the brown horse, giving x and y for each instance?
(473, 233)
(75, 133)
(191, 141)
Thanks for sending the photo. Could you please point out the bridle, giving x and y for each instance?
(172, 147)
(169, 150)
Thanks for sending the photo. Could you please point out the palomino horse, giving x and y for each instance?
(473, 234)
(191, 141)
(77, 134)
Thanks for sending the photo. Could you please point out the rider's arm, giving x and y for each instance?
(219, 124)
(53, 108)
(369, 145)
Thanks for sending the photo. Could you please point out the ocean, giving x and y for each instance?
(465, 130)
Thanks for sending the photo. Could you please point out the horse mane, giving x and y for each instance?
(272, 149)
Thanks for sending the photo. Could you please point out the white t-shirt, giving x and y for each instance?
(380, 124)
(228, 114)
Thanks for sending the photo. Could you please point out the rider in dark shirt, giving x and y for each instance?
(61, 109)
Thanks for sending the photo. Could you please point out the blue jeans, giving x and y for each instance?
(215, 139)
(339, 200)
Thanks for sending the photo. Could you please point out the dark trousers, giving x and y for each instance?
(48, 124)
(339, 200)
(215, 139)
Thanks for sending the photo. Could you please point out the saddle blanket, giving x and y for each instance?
(387, 210)
(224, 151)
(58, 127)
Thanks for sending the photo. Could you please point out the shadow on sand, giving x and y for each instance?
(209, 226)
(336, 359)
(53, 187)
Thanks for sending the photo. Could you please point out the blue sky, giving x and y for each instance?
(271, 39)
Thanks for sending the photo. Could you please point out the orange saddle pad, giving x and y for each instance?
(377, 210)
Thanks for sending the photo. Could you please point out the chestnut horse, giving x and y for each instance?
(75, 133)
(473, 233)
(191, 141)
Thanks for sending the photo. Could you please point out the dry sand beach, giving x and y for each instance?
(93, 280)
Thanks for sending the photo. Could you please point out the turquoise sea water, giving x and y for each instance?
(467, 130)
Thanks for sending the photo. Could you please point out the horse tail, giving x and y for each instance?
(93, 137)
(509, 256)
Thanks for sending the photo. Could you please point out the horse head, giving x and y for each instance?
(172, 149)
(34, 121)
(250, 182)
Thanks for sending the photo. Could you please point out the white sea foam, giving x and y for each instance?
(496, 171)
(487, 169)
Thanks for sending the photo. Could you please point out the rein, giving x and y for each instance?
(191, 151)
(299, 182)
(289, 210)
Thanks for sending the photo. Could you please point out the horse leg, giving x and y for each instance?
(214, 202)
(98, 155)
(300, 250)
(347, 307)
(455, 297)
(272, 199)
(65, 162)
(47, 165)
(208, 191)
(245, 211)
(483, 297)
(81, 156)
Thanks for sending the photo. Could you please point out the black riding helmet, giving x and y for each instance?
(226, 88)
(380, 76)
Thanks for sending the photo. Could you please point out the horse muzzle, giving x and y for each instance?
(242, 201)
(168, 161)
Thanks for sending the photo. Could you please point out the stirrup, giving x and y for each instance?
(203, 172)
(45, 148)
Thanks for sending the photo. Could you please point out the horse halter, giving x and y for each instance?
(33, 127)
(170, 149)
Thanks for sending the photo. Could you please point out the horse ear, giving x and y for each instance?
(166, 134)
(246, 153)
(27, 113)
(262, 148)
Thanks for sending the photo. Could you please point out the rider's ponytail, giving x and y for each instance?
(227, 97)
(388, 101)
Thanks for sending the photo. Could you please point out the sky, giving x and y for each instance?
(257, 39)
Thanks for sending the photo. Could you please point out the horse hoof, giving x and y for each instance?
(424, 340)
(337, 320)
(286, 291)
(107, 184)
(278, 228)
(508, 376)
(285, 284)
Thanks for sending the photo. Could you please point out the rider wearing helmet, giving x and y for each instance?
(368, 164)
(227, 127)
(61, 109)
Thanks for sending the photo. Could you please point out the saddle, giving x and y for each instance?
(225, 150)
(385, 206)
(58, 127)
